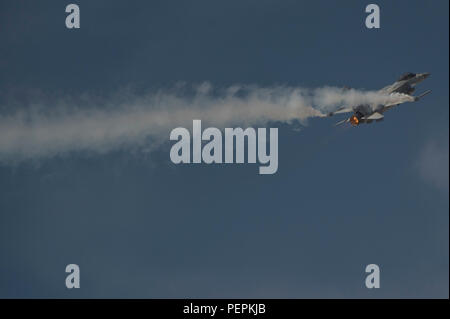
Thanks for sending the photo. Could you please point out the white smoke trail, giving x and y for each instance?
(146, 121)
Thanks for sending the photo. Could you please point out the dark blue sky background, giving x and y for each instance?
(140, 226)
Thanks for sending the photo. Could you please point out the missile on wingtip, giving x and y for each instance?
(422, 95)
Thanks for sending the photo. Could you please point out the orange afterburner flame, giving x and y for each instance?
(354, 120)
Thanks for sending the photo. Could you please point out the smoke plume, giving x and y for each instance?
(144, 121)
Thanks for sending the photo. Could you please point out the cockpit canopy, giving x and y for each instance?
(406, 76)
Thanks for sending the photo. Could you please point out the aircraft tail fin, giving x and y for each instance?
(341, 122)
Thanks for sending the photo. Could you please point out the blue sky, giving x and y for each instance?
(140, 226)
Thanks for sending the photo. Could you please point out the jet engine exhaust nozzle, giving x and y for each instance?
(354, 120)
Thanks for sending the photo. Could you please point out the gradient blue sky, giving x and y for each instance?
(140, 226)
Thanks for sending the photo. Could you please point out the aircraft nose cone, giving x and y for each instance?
(425, 75)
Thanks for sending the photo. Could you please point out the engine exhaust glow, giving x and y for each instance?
(354, 120)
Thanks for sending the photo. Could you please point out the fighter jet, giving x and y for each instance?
(396, 94)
